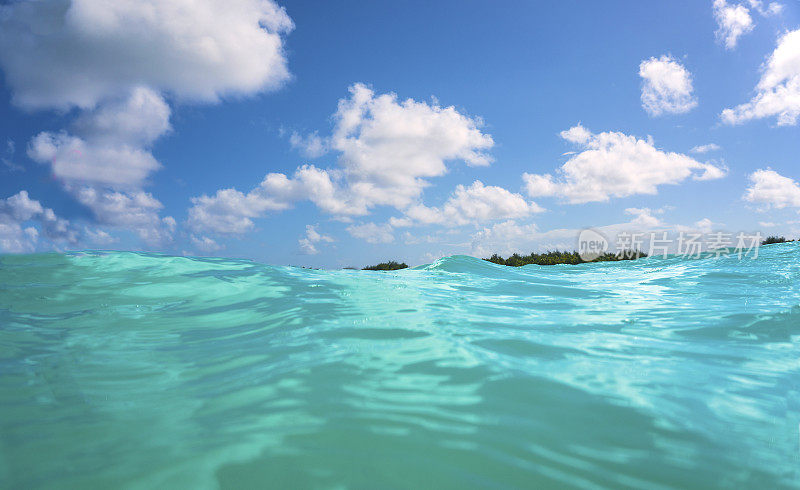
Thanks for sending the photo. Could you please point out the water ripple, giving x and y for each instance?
(140, 370)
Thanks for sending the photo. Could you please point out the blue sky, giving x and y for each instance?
(116, 130)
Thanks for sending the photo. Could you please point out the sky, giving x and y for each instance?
(334, 134)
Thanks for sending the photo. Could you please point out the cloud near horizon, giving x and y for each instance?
(18, 214)
(116, 62)
(613, 164)
(387, 151)
(107, 79)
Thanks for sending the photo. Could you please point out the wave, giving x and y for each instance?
(142, 370)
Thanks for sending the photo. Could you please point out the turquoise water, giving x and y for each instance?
(125, 370)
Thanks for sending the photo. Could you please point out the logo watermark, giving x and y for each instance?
(593, 244)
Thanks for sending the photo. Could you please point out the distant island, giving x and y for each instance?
(557, 257)
(775, 239)
(387, 266)
(517, 260)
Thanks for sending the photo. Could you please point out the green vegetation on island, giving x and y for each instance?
(387, 266)
(558, 257)
(775, 239)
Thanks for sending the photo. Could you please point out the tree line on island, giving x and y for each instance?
(392, 265)
(553, 258)
(775, 239)
(558, 257)
(517, 260)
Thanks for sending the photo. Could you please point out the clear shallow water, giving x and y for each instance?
(143, 371)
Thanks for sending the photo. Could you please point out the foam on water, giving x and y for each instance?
(142, 371)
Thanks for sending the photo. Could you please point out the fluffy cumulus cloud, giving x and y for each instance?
(733, 21)
(666, 86)
(24, 220)
(474, 204)
(64, 53)
(778, 90)
(372, 232)
(387, 148)
(116, 62)
(311, 145)
(766, 8)
(73, 159)
(772, 189)
(230, 211)
(205, 244)
(111, 146)
(644, 217)
(613, 164)
(706, 148)
(136, 211)
(510, 236)
(106, 162)
(308, 244)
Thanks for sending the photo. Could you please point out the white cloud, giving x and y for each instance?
(311, 146)
(403, 222)
(474, 204)
(644, 217)
(98, 236)
(505, 238)
(7, 159)
(205, 244)
(114, 60)
(15, 239)
(372, 233)
(510, 237)
(705, 225)
(230, 211)
(415, 239)
(106, 164)
(773, 189)
(112, 146)
(706, 148)
(74, 159)
(778, 91)
(307, 247)
(613, 164)
(61, 53)
(576, 134)
(17, 211)
(136, 211)
(137, 120)
(313, 237)
(666, 87)
(771, 8)
(20, 207)
(388, 149)
(733, 21)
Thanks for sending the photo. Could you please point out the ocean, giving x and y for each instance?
(138, 370)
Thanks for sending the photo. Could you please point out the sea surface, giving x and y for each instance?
(134, 370)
